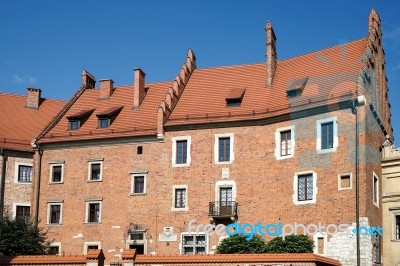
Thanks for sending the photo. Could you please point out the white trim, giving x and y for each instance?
(335, 134)
(216, 148)
(278, 144)
(14, 207)
(188, 158)
(52, 203)
(225, 183)
(174, 187)
(57, 244)
(295, 188)
(93, 243)
(340, 179)
(87, 202)
(377, 189)
(90, 163)
(51, 173)
(323, 235)
(194, 234)
(133, 184)
(16, 173)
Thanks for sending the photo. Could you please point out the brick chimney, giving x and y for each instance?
(33, 98)
(88, 79)
(271, 54)
(106, 88)
(139, 91)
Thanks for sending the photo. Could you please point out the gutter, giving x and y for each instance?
(2, 182)
(37, 191)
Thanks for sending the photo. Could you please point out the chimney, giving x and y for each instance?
(106, 88)
(271, 54)
(33, 98)
(139, 91)
(88, 80)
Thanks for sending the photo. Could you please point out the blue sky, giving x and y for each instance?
(47, 44)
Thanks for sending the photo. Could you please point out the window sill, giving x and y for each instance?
(23, 183)
(395, 240)
(55, 183)
(326, 150)
(346, 188)
(54, 224)
(179, 209)
(304, 202)
(138, 194)
(181, 165)
(95, 181)
(224, 162)
(94, 223)
(285, 157)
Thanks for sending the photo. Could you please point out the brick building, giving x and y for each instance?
(22, 118)
(278, 141)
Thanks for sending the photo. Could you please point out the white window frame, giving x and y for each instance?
(14, 207)
(87, 209)
(295, 188)
(138, 242)
(194, 234)
(231, 149)
(133, 175)
(51, 173)
(174, 147)
(335, 135)
(16, 173)
(278, 144)
(51, 203)
(57, 244)
(93, 243)
(377, 189)
(340, 179)
(225, 184)
(323, 235)
(174, 187)
(394, 213)
(90, 163)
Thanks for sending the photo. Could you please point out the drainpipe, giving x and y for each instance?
(37, 194)
(2, 182)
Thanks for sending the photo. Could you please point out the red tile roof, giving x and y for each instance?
(129, 122)
(331, 72)
(20, 124)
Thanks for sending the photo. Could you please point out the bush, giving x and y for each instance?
(238, 244)
(291, 244)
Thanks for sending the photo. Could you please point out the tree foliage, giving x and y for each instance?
(238, 244)
(21, 237)
(291, 244)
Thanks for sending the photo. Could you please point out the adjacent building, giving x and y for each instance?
(22, 118)
(147, 165)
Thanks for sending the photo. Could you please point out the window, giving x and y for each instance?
(93, 211)
(95, 172)
(292, 94)
(56, 173)
(223, 148)
(305, 190)
(234, 97)
(22, 212)
(233, 102)
(139, 150)
(104, 122)
(344, 181)
(138, 184)
(181, 151)
(74, 124)
(24, 173)
(327, 135)
(54, 213)
(375, 192)
(54, 248)
(285, 141)
(397, 227)
(179, 198)
(137, 240)
(194, 244)
(90, 245)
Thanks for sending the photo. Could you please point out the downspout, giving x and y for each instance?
(357, 190)
(2, 182)
(37, 194)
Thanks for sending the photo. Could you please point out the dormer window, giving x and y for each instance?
(76, 120)
(234, 97)
(295, 87)
(107, 117)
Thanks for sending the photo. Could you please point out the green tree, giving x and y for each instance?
(291, 244)
(238, 244)
(21, 237)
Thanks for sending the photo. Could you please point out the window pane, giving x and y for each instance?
(104, 122)
(398, 227)
(73, 124)
(24, 173)
(286, 143)
(180, 198)
(305, 187)
(54, 250)
(94, 212)
(22, 212)
(327, 135)
(194, 244)
(95, 171)
(139, 184)
(188, 250)
(181, 151)
(375, 190)
(188, 240)
(224, 149)
(57, 173)
(55, 211)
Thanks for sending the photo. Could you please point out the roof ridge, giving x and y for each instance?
(24, 96)
(323, 49)
(229, 66)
